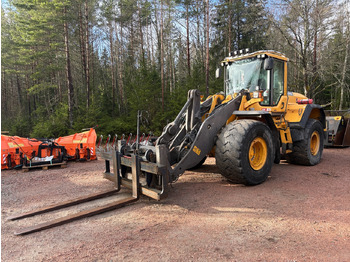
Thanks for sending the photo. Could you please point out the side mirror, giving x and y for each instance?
(217, 72)
(268, 63)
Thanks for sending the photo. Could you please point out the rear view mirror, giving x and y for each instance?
(217, 72)
(268, 63)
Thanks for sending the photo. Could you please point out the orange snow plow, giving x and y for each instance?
(15, 149)
(80, 146)
(18, 151)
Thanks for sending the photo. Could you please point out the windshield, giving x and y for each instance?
(245, 74)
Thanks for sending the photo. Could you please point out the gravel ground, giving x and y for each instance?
(299, 214)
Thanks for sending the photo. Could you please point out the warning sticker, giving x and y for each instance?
(84, 140)
(12, 145)
(197, 150)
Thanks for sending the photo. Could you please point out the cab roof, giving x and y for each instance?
(269, 53)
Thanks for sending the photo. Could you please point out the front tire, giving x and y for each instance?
(245, 152)
(308, 152)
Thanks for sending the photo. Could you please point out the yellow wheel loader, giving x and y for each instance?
(247, 128)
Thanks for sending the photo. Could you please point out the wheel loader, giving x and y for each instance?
(247, 127)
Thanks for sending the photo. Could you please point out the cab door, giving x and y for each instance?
(275, 96)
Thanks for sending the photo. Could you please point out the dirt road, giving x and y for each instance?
(298, 214)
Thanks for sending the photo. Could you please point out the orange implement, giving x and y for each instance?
(15, 148)
(80, 146)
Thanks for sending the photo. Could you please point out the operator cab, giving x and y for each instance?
(262, 71)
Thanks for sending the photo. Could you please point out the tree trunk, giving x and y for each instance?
(141, 37)
(87, 74)
(68, 72)
(188, 41)
(112, 65)
(59, 86)
(149, 49)
(132, 40)
(11, 95)
(161, 53)
(230, 28)
(82, 44)
(207, 51)
(305, 79)
(29, 108)
(120, 70)
(199, 52)
(342, 83)
(92, 72)
(315, 54)
(4, 96)
(174, 73)
(19, 90)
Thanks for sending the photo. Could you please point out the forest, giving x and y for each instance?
(68, 65)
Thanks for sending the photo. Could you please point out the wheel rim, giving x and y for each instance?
(257, 153)
(315, 143)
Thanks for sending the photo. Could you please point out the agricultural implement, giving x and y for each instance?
(247, 128)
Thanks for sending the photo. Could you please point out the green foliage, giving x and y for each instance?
(247, 22)
(34, 65)
(117, 126)
(53, 126)
(19, 126)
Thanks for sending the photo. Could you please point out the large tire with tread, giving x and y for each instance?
(245, 152)
(308, 152)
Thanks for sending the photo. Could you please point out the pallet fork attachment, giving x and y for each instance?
(135, 165)
(120, 176)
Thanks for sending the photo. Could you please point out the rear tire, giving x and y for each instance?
(308, 152)
(245, 152)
